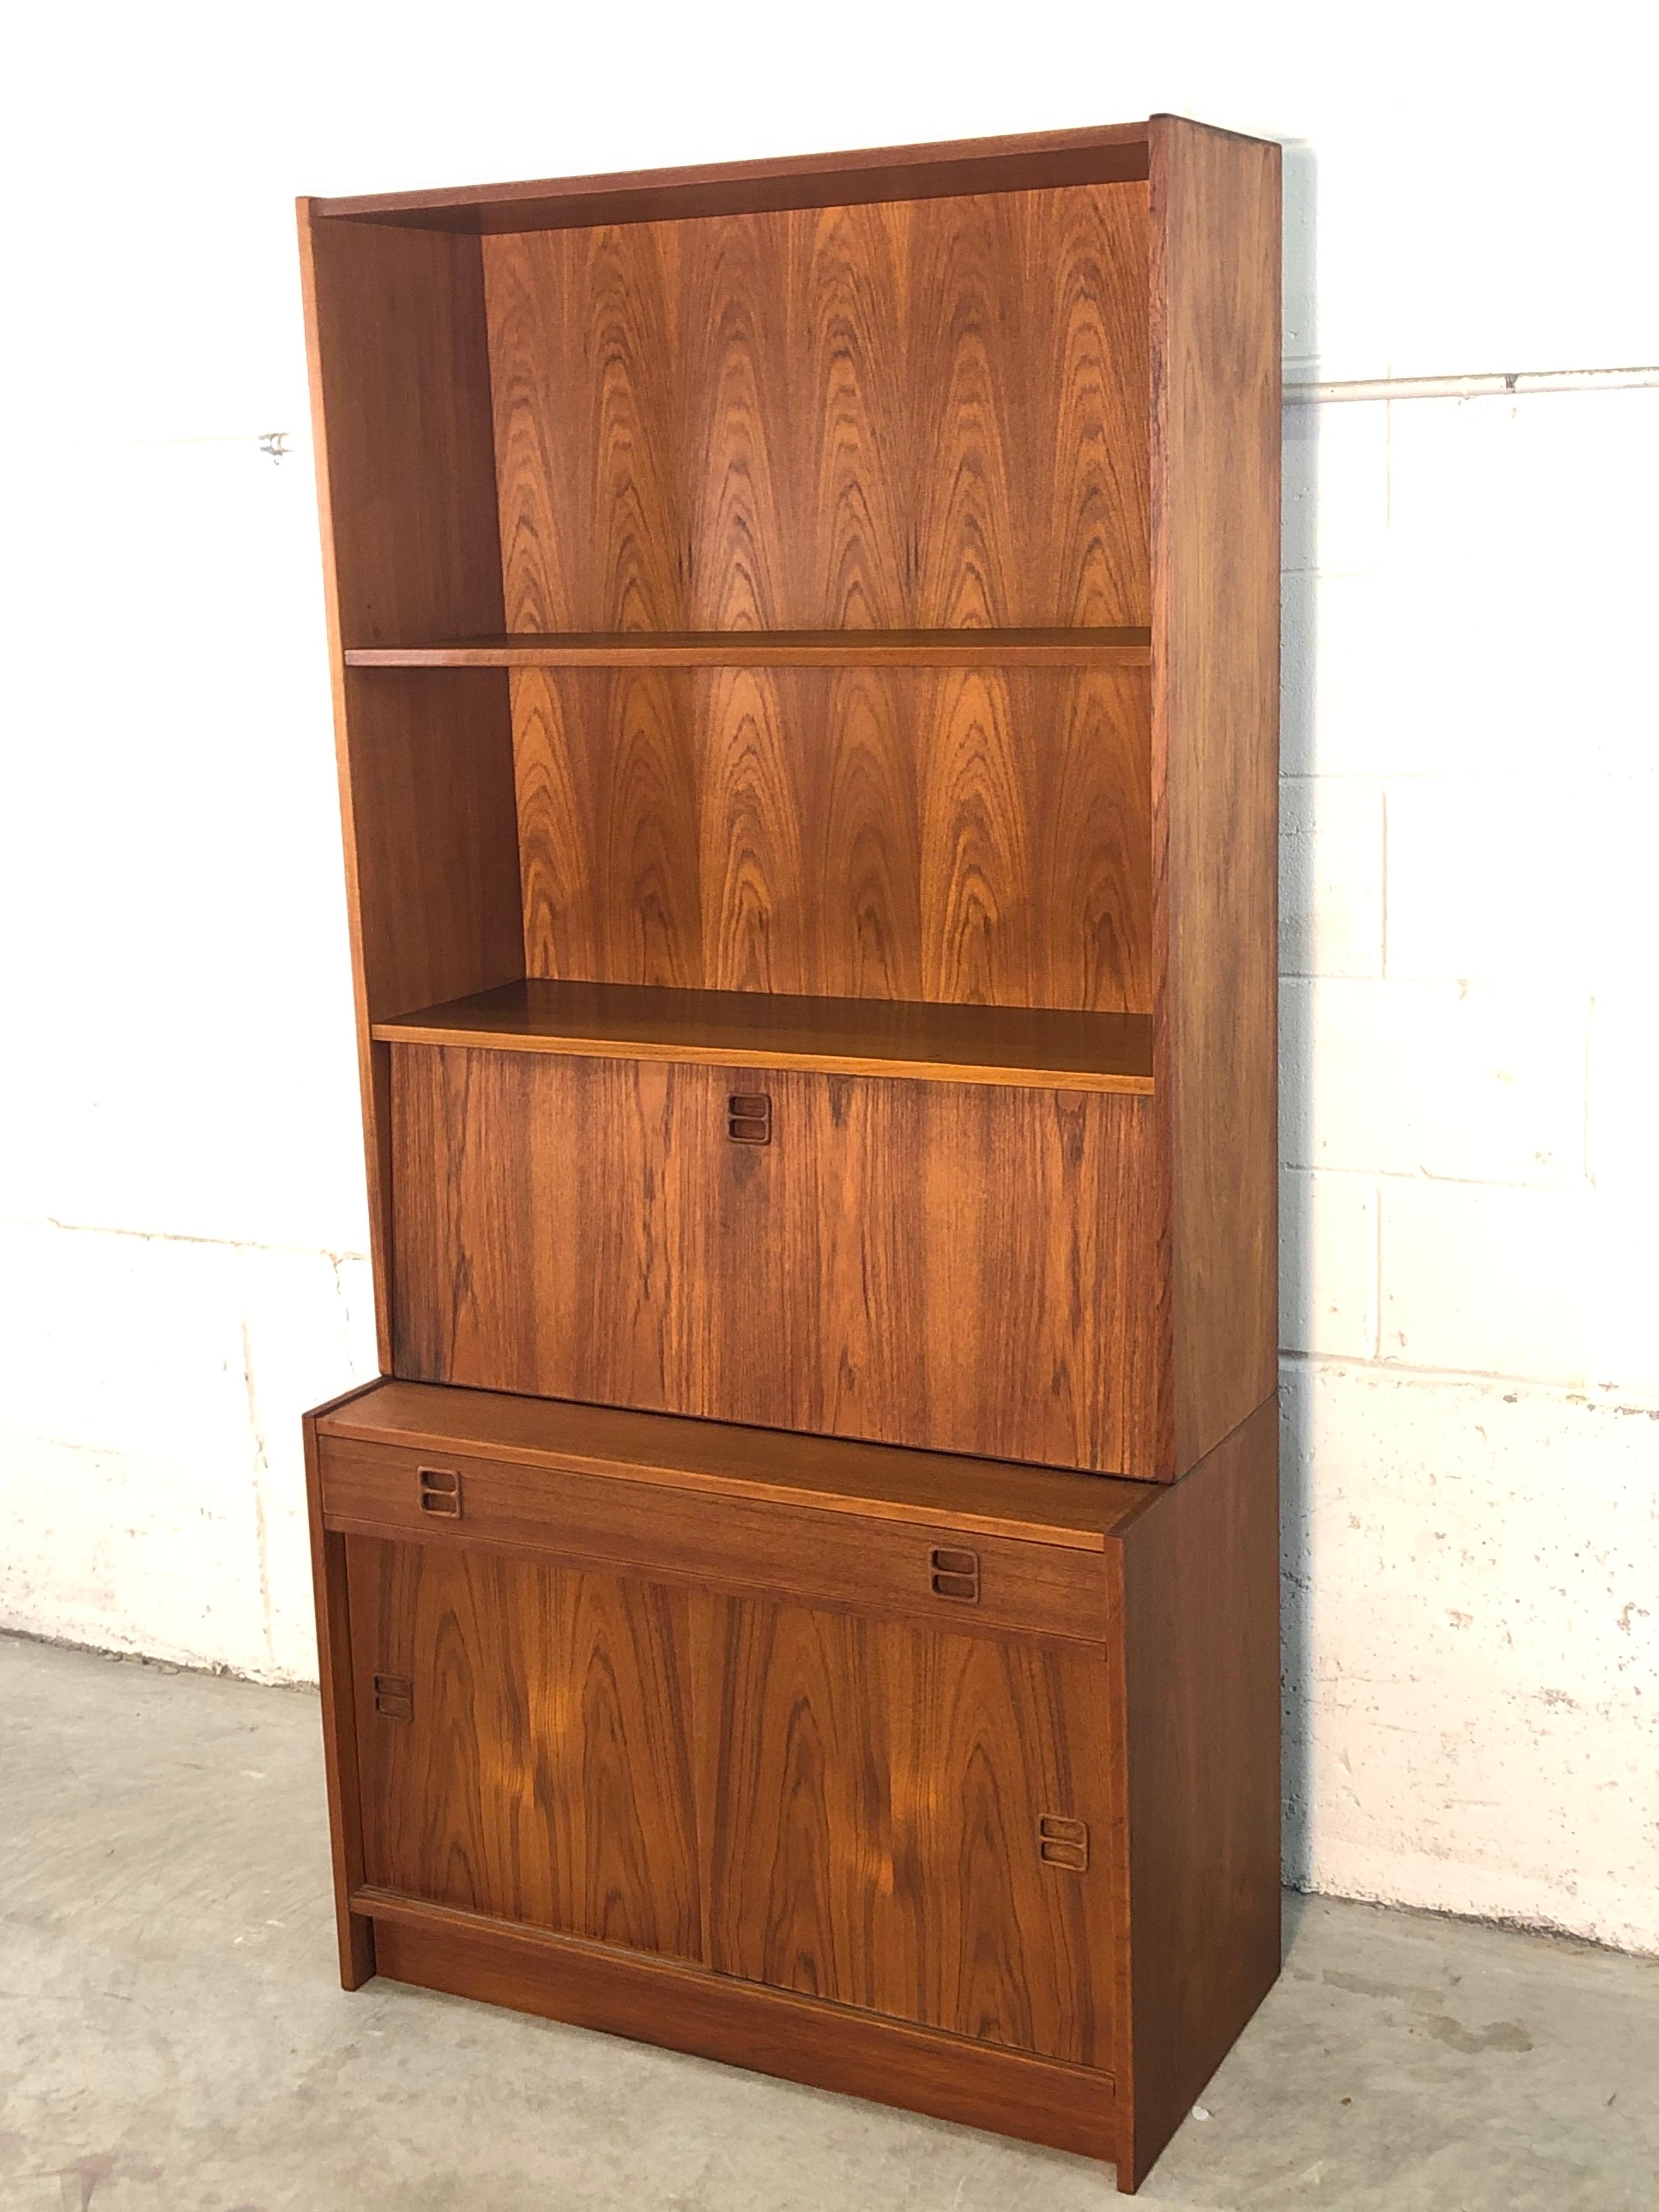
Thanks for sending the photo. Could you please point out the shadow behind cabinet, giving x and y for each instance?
(804, 1589)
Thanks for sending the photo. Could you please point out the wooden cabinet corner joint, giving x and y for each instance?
(804, 650)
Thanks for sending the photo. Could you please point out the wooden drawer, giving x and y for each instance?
(917, 1570)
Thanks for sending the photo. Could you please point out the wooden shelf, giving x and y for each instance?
(1026, 1048)
(784, 648)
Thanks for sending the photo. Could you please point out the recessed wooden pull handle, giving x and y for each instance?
(1063, 1843)
(394, 1696)
(748, 1117)
(439, 1491)
(956, 1574)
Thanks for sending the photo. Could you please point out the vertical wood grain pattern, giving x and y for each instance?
(862, 836)
(972, 836)
(1215, 645)
(889, 416)
(1198, 1729)
(1086, 375)
(354, 1933)
(734, 361)
(545, 1774)
(871, 1794)
(399, 369)
(849, 287)
(959, 1268)
(754, 920)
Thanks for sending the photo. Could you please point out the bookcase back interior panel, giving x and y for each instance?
(915, 415)
(971, 836)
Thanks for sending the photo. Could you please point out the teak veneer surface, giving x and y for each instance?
(1216, 349)
(1034, 160)
(803, 2039)
(821, 648)
(873, 1794)
(545, 1772)
(924, 415)
(851, 1562)
(1198, 1734)
(816, 616)
(1008, 1045)
(992, 1498)
(949, 1265)
(811, 1799)
(975, 836)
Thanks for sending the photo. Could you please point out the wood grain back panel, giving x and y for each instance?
(530, 1760)
(1217, 402)
(905, 414)
(954, 1268)
(872, 1795)
(971, 836)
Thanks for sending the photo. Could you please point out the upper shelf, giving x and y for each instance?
(1027, 1048)
(782, 648)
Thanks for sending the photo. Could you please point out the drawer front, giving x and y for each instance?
(914, 1570)
(955, 1268)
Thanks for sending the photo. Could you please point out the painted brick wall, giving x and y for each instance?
(1471, 1204)
(1470, 1317)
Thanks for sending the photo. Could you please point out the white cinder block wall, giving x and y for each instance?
(1471, 818)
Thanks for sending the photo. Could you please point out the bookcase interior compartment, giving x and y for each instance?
(974, 838)
(917, 415)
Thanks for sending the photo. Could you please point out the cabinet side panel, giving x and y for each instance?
(401, 387)
(328, 1573)
(434, 836)
(400, 408)
(1216, 346)
(1200, 1600)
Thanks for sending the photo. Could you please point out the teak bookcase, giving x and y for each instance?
(805, 640)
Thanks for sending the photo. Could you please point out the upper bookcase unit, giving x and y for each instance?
(849, 583)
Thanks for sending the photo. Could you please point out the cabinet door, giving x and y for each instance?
(911, 1821)
(521, 1741)
(950, 1266)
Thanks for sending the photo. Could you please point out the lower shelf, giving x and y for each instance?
(1027, 1047)
(685, 2008)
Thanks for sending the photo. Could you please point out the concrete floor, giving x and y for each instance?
(172, 2037)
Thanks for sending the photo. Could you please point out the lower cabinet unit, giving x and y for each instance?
(946, 1782)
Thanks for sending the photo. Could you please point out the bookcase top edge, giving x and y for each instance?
(1106, 153)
